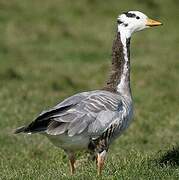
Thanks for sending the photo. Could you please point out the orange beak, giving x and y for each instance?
(151, 22)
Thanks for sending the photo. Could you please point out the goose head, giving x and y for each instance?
(133, 21)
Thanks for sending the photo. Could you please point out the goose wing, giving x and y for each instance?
(92, 115)
(42, 121)
(90, 112)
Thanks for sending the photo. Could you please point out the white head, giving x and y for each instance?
(133, 21)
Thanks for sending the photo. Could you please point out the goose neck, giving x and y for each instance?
(119, 79)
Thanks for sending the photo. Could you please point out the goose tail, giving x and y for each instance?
(20, 130)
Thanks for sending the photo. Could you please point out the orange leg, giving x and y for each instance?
(100, 161)
(71, 157)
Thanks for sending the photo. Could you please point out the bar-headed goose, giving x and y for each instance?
(92, 120)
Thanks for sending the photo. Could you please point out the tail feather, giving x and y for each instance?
(20, 130)
(33, 127)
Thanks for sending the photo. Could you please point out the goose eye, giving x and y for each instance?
(137, 17)
(119, 22)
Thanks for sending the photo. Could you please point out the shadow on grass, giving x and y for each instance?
(170, 158)
(11, 74)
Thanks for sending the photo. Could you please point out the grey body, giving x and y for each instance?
(73, 123)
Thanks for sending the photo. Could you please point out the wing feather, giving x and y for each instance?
(92, 115)
(44, 119)
(90, 112)
(102, 122)
(57, 128)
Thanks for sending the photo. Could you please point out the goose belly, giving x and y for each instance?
(64, 141)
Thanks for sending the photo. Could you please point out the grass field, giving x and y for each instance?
(52, 49)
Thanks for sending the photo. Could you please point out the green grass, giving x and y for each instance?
(50, 50)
